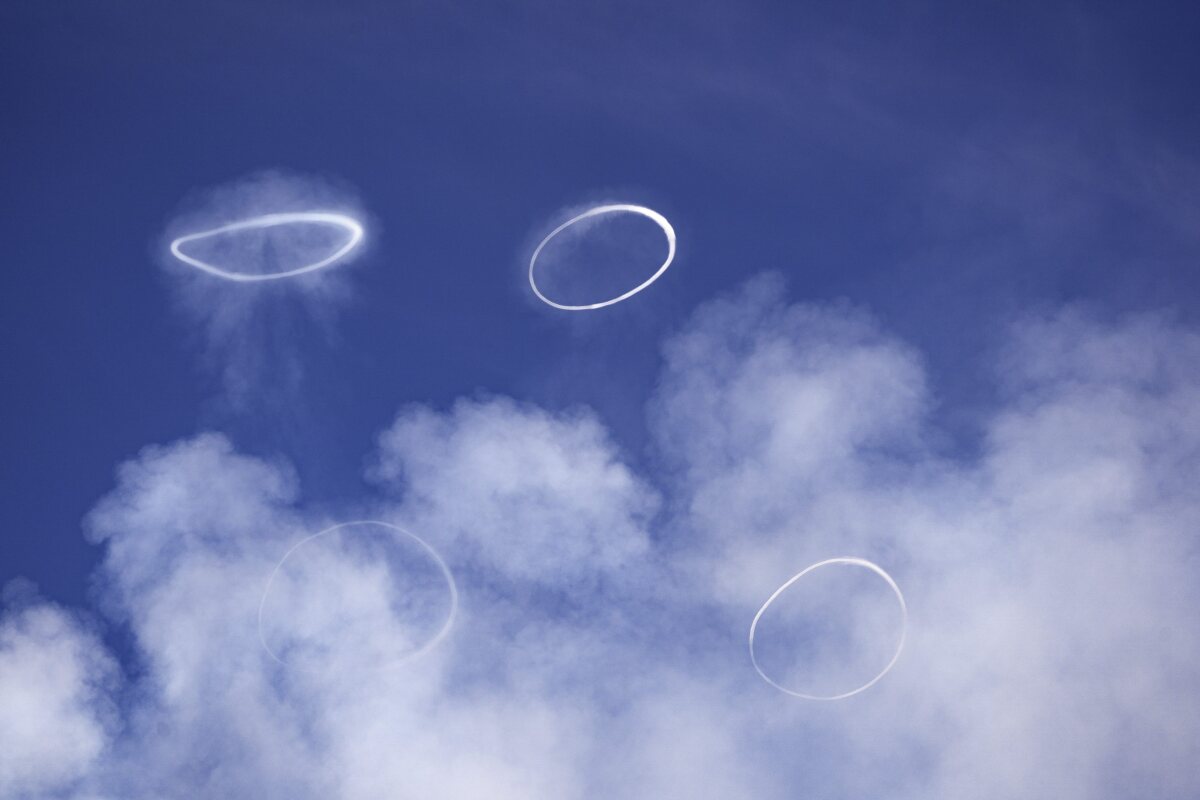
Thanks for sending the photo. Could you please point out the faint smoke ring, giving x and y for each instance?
(857, 562)
(351, 225)
(447, 575)
(649, 213)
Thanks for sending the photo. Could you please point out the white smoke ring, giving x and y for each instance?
(451, 586)
(351, 225)
(858, 562)
(649, 213)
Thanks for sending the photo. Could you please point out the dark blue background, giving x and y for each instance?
(948, 165)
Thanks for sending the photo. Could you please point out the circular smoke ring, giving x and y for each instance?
(451, 587)
(857, 562)
(619, 208)
(349, 224)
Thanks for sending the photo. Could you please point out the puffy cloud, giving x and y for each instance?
(56, 712)
(1063, 574)
(1048, 578)
(600, 649)
(193, 531)
(531, 495)
(782, 423)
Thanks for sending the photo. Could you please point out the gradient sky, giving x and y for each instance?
(944, 165)
(948, 170)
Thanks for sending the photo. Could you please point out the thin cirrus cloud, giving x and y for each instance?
(600, 646)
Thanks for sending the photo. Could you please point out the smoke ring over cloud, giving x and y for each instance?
(451, 587)
(618, 208)
(350, 224)
(858, 562)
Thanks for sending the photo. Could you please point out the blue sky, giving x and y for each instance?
(910, 161)
(992, 213)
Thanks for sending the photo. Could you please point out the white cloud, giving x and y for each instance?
(56, 715)
(782, 422)
(600, 649)
(531, 495)
(1049, 579)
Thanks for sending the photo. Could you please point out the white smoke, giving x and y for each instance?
(252, 331)
(600, 647)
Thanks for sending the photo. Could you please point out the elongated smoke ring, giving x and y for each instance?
(858, 562)
(270, 221)
(433, 642)
(649, 213)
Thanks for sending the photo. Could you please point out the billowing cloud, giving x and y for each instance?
(600, 649)
(56, 709)
(531, 495)
(1048, 577)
